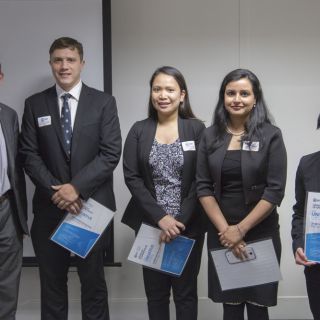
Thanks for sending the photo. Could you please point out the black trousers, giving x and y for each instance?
(236, 312)
(312, 275)
(10, 261)
(53, 268)
(158, 286)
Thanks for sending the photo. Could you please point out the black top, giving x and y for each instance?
(231, 180)
(232, 198)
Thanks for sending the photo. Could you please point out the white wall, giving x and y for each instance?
(205, 39)
(277, 39)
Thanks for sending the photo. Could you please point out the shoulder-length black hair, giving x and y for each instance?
(185, 110)
(258, 115)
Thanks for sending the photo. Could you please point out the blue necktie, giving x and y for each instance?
(66, 121)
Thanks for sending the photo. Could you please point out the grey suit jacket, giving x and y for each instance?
(95, 150)
(10, 127)
(143, 206)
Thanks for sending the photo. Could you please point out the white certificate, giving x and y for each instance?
(166, 257)
(79, 233)
(312, 226)
(260, 267)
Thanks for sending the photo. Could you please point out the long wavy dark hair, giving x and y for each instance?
(259, 115)
(185, 110)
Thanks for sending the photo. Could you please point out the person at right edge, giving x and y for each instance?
(241, 176)
(307, 179)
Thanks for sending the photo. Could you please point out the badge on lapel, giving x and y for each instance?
(44, 121)
(188, 146)
(250, 145)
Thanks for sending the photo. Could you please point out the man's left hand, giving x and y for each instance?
(65, 195)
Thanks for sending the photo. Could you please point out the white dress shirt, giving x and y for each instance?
(73, 101)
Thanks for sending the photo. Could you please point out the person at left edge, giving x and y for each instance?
(13, 211)
(65, 177)
(159, 162)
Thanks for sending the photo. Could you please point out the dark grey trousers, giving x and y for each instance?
(10, 262)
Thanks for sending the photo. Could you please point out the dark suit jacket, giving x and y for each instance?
(10, 128)
(263, 171)
(143, 206)
(95, 150)
(307, 179)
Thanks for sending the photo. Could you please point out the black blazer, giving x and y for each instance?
(143, 205)
(10, 128)
(263, 171)
(95, 150)
(307, 179)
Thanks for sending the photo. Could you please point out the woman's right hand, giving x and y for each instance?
(301, 259)
(239, 250)
(170, 226)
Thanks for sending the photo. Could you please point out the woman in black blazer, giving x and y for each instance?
(307, 179)
(159, 162)
(241, 174)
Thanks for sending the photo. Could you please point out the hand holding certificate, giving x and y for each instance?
(79, 233)
(166, 257)
(261, 266)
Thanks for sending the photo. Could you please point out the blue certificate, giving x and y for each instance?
(79, 233)
(312, 227)
(166, 257)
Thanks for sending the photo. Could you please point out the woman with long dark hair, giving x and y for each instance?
(159, 163)
(241, 174)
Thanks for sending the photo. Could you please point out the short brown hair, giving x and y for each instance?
(66, 42)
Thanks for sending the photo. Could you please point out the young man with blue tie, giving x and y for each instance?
(70, 144)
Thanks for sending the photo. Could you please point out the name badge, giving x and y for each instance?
(188, 146)
(250, 146)
(44, 121)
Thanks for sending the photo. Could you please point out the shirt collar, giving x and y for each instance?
(75, 91)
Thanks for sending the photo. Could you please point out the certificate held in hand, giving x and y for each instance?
(166, 257)
(79, 233)
(261, 266)
(312, 227)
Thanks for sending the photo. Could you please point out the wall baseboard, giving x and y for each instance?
(292, 307)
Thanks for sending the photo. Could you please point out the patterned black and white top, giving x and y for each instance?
(166, 161)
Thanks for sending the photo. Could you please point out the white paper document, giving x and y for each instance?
(166, 257)
(260, 267)
(312, 226)
(79, 233)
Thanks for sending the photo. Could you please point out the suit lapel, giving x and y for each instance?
(53, 107)
(187, 155)
(9, 140)
(146, 140)
(217, 158)
(81, 114)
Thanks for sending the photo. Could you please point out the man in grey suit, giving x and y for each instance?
(13, 212)
(70, 144)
